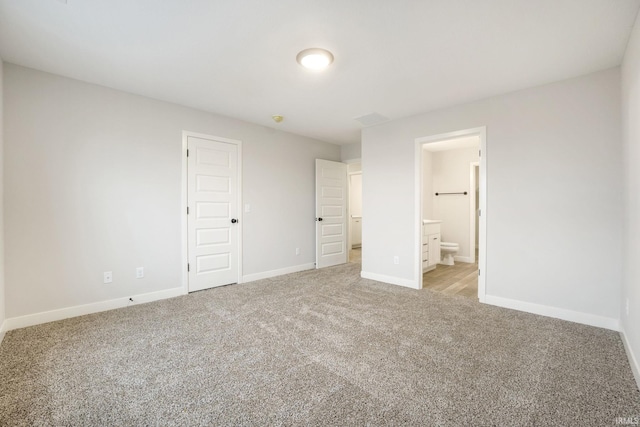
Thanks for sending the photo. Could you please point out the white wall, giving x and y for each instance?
(631, 249)
(354, 167)
(2, 292)
(355, 195)
(350, 152)
(553, 199)
(93, 183)
(450, 172)
(355, 208)
(355, 203)
(427, 185)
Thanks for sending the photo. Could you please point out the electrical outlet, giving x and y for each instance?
(139, 272)
(108, 277)
(297, 251)
(396, 260)
(247, 207)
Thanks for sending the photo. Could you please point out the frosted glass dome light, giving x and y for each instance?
(315, 59)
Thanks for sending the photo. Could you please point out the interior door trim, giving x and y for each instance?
(481, 133)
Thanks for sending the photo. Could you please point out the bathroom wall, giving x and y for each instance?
(554, 162)
(427, 185)
(451, 173)
(355, 195)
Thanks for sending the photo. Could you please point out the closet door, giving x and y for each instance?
(213, 213)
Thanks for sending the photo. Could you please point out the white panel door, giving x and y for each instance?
(331, 213)
(212, 197)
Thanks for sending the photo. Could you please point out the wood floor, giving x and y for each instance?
(459, 279)
(355, 255)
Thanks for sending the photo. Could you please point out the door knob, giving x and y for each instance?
(233, 221)
(318, 219)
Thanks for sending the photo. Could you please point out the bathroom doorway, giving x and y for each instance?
(451, 187)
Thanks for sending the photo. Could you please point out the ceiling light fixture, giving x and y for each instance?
(277, 118)
(315, 59)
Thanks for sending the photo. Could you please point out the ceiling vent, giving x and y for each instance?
(371, 119)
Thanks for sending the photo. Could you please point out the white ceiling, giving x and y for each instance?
(393, 57)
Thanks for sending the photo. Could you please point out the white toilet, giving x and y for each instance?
(447, 251)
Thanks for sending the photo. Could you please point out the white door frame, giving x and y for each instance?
(472, 210)
(480, 132)
(183, 207)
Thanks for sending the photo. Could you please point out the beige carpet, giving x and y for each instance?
(314, 348)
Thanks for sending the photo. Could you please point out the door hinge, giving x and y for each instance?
(479, 212)
(188, 267)
(187, 210)
(479, 153)
(187, 152)
(478, 272)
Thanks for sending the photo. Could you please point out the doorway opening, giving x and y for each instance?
(450, 214)
(355, 212)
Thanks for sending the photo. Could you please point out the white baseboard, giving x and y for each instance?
(278, 272)
(555, 312)
(633, 361)
(81, 310)
(463, 259)
(389, 279)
